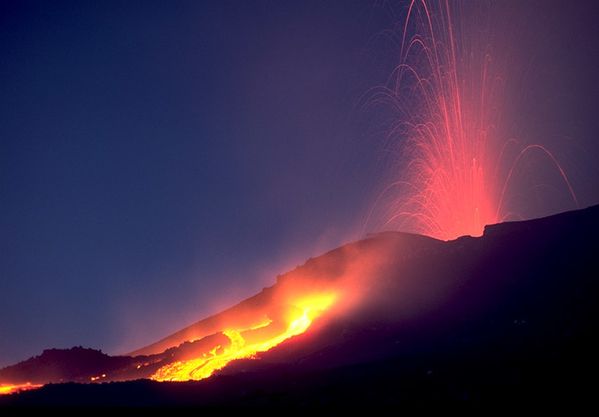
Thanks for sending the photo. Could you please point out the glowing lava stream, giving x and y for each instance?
(12, 389)
(298, 319)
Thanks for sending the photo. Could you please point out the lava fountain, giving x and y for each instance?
(446, 136)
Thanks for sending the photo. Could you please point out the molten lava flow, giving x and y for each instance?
(295, 319)
(12, 389)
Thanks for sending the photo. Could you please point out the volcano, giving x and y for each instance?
(510, 315)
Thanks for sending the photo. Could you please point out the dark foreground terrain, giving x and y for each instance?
(510, 316)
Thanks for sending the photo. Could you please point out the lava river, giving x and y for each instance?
(234, 343)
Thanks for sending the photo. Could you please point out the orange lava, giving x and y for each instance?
(12, 389)
(246, 343)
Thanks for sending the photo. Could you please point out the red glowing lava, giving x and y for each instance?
(12, 389)
(448, 178)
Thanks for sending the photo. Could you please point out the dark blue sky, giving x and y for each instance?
(162, 160)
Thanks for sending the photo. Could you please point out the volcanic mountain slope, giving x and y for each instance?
(340, 270)
(508, 316)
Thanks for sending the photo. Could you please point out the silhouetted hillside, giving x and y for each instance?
(63, 365)
(509, 316)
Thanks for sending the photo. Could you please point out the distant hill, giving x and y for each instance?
(62, 365)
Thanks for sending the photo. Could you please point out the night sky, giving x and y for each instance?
(160, 161)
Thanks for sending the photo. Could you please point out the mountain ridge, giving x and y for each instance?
(512, 310)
